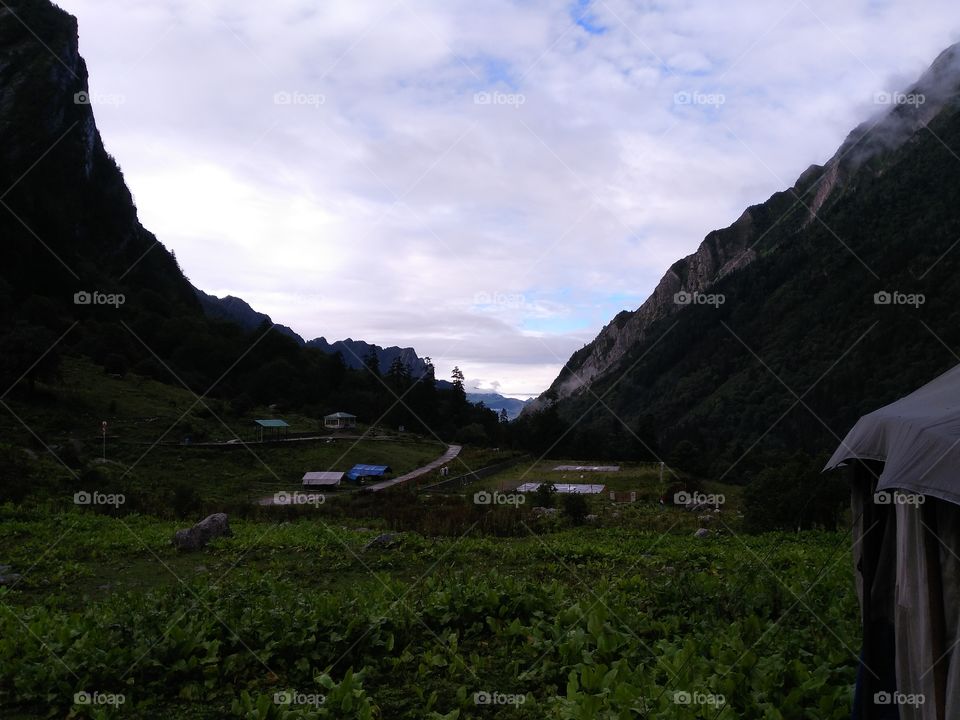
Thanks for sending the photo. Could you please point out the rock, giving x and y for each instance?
(385, 540)
(197, 537)
(702, 533)
(30, 453)
(539, 511)
(669, 570)
(11, 579)
(706, 519)
(592, 518)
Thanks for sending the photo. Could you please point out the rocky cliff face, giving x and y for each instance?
(67, 219)
(726, 251)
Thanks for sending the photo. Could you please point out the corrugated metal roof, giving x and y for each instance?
(359, 471)
(272, 423)
(322, 478)
(587, 468)
(565, 488)
(341, 415)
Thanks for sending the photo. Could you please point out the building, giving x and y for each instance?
(362, 472)
(340, 421)
(322, 479)
(271, 429)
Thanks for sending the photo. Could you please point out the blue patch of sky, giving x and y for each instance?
(583, 15)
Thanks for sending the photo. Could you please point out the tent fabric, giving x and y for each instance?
(917, 437)
(359, 471)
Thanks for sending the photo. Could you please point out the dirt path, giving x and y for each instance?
(449, 455)
(451, 452)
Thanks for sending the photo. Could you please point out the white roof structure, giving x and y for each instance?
(917, 437)
(326, 479)
(565, 488)
(587, 468)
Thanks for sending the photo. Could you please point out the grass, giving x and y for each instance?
(579, 622)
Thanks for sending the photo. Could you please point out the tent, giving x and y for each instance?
(358, 472)
(904, 465)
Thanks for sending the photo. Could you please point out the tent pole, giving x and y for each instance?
(935, 604)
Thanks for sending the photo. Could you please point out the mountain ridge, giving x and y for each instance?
(731, 249)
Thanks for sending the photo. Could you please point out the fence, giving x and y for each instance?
(460, 481)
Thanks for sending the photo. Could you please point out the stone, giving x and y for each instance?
(384, 540)
(197, 537)
(702, 533)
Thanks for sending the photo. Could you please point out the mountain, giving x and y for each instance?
(235, 310)
(354, 351)
(83, 279)
(775, 305)
(68, 223)
(497, 402)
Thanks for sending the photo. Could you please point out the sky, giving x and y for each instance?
(488, 182)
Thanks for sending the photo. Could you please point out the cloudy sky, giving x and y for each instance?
(489, 182)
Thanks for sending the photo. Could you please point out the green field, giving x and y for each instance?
(578, 622)
(469, 611)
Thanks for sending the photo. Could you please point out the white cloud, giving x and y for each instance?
(382, 200)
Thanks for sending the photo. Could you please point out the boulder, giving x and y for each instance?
(592, 518)
(539, 511)
(7, 577)
(197, 537)
(702, 533)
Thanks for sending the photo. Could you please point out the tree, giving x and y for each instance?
(545, 494)
(504, 418)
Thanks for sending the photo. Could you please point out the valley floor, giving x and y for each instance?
(581, 622)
